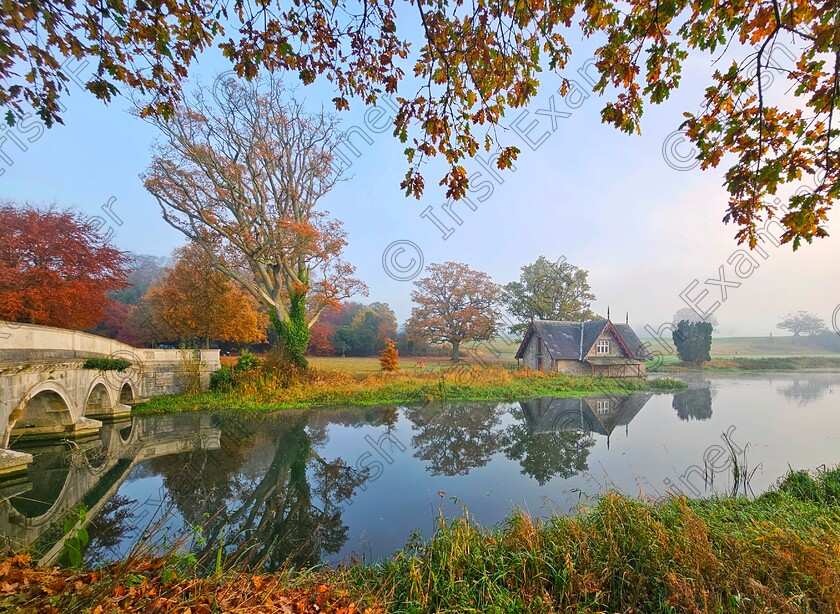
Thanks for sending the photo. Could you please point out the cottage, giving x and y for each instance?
(596, 347)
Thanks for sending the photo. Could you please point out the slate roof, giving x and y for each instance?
(555, 415)
(631, 340)
(566, 340)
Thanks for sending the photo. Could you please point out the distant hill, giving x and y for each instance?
(757, 347)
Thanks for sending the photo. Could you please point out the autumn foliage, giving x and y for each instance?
(474, 63)
(454, 303)
(153, 586)
(240, 172)
(389, 358)
(195, 301)
(56, 267)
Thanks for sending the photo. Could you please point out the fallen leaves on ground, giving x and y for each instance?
(25, 588)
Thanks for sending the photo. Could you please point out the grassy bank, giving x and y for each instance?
(460, 383)
(769, 363)
(779, 552)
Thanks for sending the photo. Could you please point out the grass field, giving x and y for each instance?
(753, 347)
(501, 352)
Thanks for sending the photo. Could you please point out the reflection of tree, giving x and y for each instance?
(804, 392)
(545, 455)
(456, 437)
(270, 498)
(112, 525)
(693, 404)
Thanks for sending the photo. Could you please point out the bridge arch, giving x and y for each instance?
(126, 394)
(47, 408)
(98, 398)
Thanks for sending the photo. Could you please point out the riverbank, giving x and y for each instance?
(769, 363)
(319, 388)
(779, 552)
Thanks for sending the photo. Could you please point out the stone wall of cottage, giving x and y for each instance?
(529, 358)
(573, 367)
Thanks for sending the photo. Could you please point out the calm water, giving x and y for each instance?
(331, 485)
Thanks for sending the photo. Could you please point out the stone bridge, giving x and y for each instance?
(46, 391)
(67, 475)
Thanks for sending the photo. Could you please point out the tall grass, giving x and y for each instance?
(779, 552)
(265, 388)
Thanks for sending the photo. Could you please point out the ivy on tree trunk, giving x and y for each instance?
(293, 332)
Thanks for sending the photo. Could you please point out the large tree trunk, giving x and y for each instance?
(456, 350)
(293, 332)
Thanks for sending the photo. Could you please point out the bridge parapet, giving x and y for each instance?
(45, 389)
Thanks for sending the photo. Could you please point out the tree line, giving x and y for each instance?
(239, 170)
(76, 279)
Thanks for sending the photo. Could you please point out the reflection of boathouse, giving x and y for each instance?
(600, 414)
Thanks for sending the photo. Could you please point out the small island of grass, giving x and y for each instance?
(260, 389)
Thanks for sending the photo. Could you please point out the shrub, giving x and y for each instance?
(246, 362)
(222, 380)
(107, 364)
(389, 357)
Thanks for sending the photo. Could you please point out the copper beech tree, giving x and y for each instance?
(454, 304)
(469, 62)
(240, 173)
(56, 267)
(196, 301)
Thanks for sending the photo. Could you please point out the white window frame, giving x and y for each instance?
(604, 406)
(604, 346)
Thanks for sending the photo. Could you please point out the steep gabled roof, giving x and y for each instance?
(634, 345)
(566, 340)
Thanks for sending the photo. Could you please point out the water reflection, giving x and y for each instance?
(266, 496)
(65, 476)
(545, 453)
(807, 390)
(455, 438)
(693, 404)
(321, 485)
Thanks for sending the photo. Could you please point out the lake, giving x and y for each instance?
(347, 484)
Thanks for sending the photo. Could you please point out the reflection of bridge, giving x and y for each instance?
(600, 414)
(45, 391)
(33, 508)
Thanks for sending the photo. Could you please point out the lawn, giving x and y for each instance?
(752, 347)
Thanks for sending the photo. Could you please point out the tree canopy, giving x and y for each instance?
(693, 341)
(548, 290)
(197, 302)
(240, 174)
(56, 268)
(687, 313)
(454, 304)
(457, 67)
(802, 322)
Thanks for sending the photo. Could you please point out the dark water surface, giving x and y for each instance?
(335, 484)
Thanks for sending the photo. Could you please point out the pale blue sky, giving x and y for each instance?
(606, 201)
